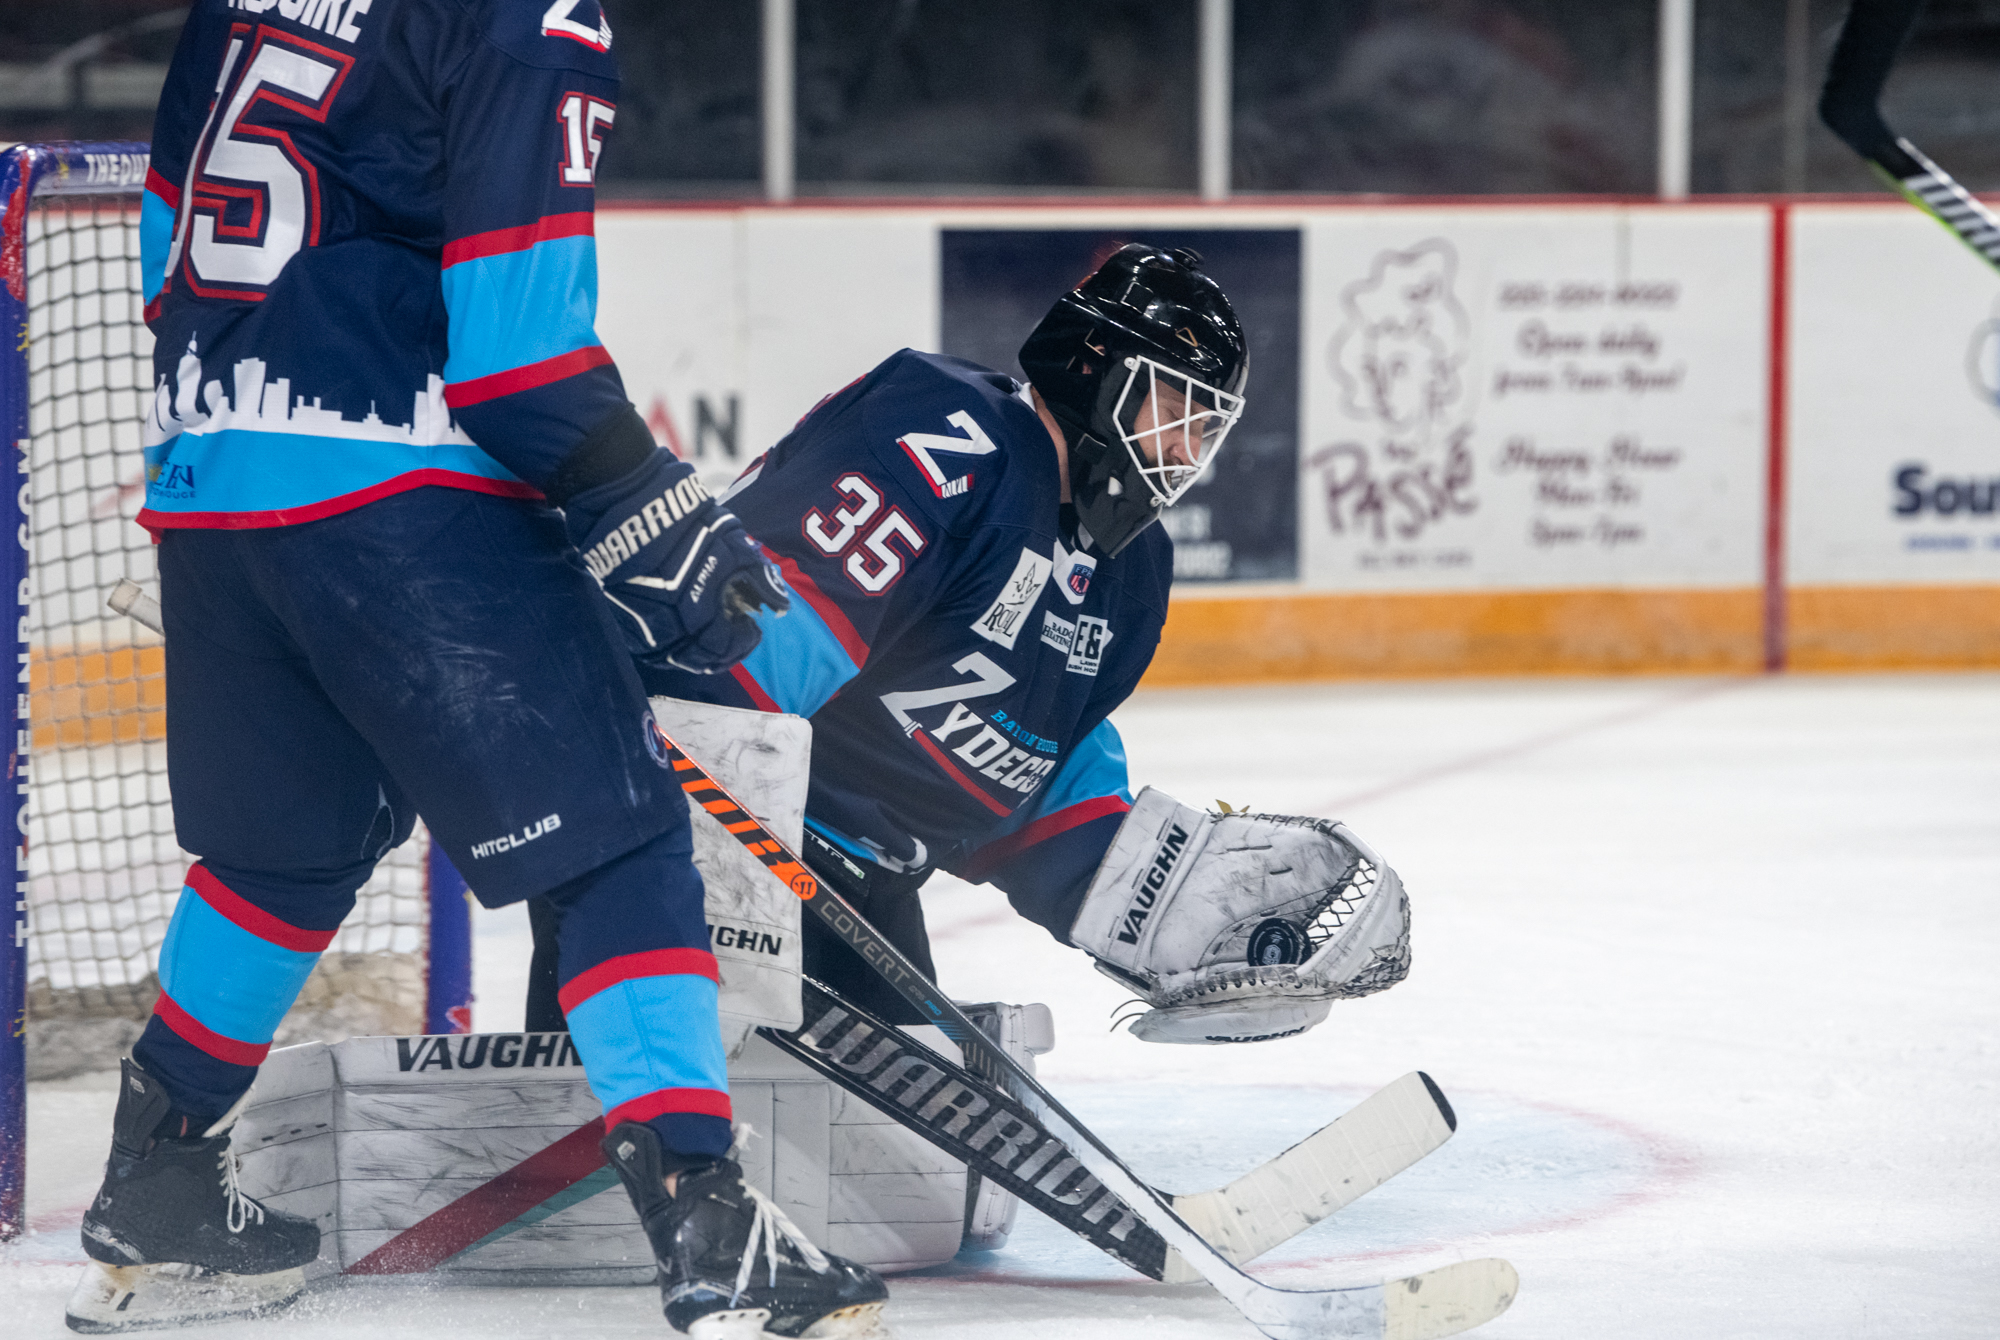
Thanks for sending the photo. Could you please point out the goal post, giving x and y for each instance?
(96, 865)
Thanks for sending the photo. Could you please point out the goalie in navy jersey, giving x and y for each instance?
(369, 266)
(978, 584)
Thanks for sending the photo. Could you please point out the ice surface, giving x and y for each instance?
(1707, 968)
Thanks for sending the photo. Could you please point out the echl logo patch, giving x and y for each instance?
(657, 743)
(1079, 580)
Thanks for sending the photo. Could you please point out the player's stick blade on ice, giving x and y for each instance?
(1448, 1300)
(1850, 104)
(1283, 1314)
(1319, 1176)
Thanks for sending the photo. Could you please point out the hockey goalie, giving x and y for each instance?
(980, 583)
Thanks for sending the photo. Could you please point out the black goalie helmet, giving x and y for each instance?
(1144, 366)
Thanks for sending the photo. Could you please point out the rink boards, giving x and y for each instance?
(1482, 438)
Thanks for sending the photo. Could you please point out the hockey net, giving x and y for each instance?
(103, 868)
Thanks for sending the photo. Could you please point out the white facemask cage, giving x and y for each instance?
(1173, 452)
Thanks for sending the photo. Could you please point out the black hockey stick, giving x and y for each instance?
(1850, 104)
(986, 1128)
(1420, 1307)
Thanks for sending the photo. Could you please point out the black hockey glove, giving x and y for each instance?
(684, 577)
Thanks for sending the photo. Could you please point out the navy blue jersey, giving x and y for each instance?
(368, 253)
(956, 646)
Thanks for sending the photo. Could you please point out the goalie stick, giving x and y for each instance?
(991, 1132)
(1435, 1303)
(1850, 104)
(1425, 1306)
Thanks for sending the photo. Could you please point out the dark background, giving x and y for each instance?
(902, 97)
(996, 284)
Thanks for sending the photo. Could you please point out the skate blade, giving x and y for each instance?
(110, 1299)
(742, 1323)
(863, 1321)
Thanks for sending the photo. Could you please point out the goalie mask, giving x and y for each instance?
(1144, 366)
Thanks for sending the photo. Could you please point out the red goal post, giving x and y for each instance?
(97, 868)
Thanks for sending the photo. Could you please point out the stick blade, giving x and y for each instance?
(1323, 1173)
(1448, 1300)
(130, 598)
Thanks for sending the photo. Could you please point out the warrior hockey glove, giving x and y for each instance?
(684, 578)
(1240, 927)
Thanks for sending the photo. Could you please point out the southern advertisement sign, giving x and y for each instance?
(1894, 402)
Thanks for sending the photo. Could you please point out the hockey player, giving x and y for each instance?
(367, 243)
(979, 585)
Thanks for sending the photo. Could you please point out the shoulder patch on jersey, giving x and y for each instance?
(561, 19)
(550, 34)
(973, 442)
(1004, 618)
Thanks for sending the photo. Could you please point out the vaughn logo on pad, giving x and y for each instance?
(1157, 874)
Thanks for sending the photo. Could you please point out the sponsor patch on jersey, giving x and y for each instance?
(1058, 632)
(1086, 654)
(1010, 609)
(1073, 573)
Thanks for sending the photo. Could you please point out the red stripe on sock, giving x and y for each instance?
(255, 919)
(447, 1232)
(197, 1034)
(651, 963)
(701, 1102)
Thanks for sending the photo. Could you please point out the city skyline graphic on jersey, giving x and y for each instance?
(190, 405)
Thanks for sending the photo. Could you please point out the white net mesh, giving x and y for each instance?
(104, 868)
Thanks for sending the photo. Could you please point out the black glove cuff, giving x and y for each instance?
(619, 445)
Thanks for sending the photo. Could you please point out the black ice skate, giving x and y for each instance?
(171, 1239)
(731, 1264)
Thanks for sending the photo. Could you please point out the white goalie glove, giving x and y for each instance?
(1241, 927)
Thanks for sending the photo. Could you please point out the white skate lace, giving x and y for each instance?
(769, 1227)
(242, 1210)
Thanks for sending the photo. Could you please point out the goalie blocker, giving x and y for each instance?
(1241, 927)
